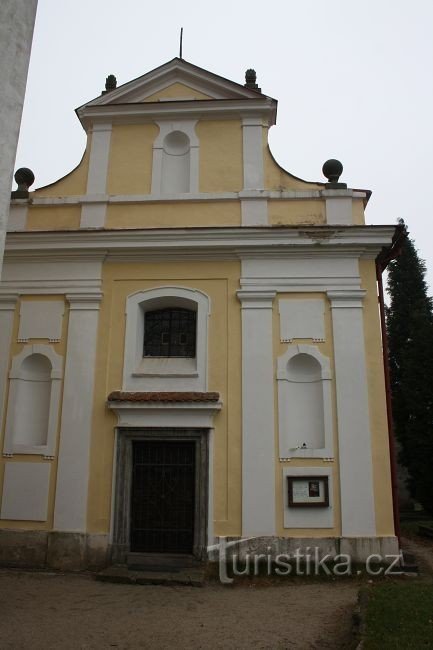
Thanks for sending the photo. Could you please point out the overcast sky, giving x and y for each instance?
(353, 80)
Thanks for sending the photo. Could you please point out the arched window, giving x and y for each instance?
(34, 401)
(304, 403)
(166, 340)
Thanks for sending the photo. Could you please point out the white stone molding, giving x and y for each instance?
(292, 399)
(40, 272)
(70, 510)
(93, 216)
(21, 409)
(258, 436)
(8, 305)
(302, 319)
(308, 248)
(167, 127)
(338, 207)
(354, 438)
(308, 517)
(184, 415)
(41, 319)
(175, 71)
(18, 215)
(263, 108)
(252, 132)
(25, 491)
(254, 212)
(165, 374)
(300, 271)
(192, 196)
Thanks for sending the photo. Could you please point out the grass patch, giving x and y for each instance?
(399, 616)
(410, 528)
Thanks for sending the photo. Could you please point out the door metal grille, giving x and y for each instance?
(163, 496)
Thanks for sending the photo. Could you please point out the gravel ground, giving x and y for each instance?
(47, 610)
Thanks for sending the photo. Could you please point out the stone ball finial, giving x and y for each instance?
(332, 169)
(24, 178)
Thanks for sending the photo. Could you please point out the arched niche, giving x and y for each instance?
(34, 400)
(175, 164)
(304, 403)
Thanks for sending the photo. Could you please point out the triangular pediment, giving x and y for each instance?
(176, 80)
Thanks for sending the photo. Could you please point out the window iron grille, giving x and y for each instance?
(170, 332)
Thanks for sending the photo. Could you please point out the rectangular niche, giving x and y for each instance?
(308, 516)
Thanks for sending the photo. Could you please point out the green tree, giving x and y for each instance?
(410, 343)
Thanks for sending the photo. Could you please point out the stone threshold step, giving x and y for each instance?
(121, 574)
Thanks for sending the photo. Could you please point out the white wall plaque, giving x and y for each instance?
(302, 319)
(25, 491)
(41, 320)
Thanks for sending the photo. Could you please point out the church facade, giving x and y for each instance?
(190, 341)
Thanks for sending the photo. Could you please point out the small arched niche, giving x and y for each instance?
(304, 403)
(33, 403)
(176, 163)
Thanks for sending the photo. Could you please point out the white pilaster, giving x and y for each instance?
(354, 438)
(254, 212)
(7, 312)
(258, 434)
(252, 130)
(338, 206)
(18, 215)
(75, 433)
(93, 214)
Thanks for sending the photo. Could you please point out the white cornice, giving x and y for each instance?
(195, 109)
(115, 199)
(198, 243)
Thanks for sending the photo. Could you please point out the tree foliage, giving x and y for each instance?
(410, 343)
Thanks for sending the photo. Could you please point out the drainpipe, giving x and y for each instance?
(381, 263)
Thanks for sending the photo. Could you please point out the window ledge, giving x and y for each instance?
(162, 373)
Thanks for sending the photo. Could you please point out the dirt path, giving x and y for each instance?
(40, 610)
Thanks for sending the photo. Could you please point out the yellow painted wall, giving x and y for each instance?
(130, 161)
(177, 91)
(220, 282)
(358, 212)
(174, 215)
(16, 348)
(277, 178)
(297, 212)
(327, 349)
(221, 163)
(377, 402)
(74, 183)
(57, 217)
